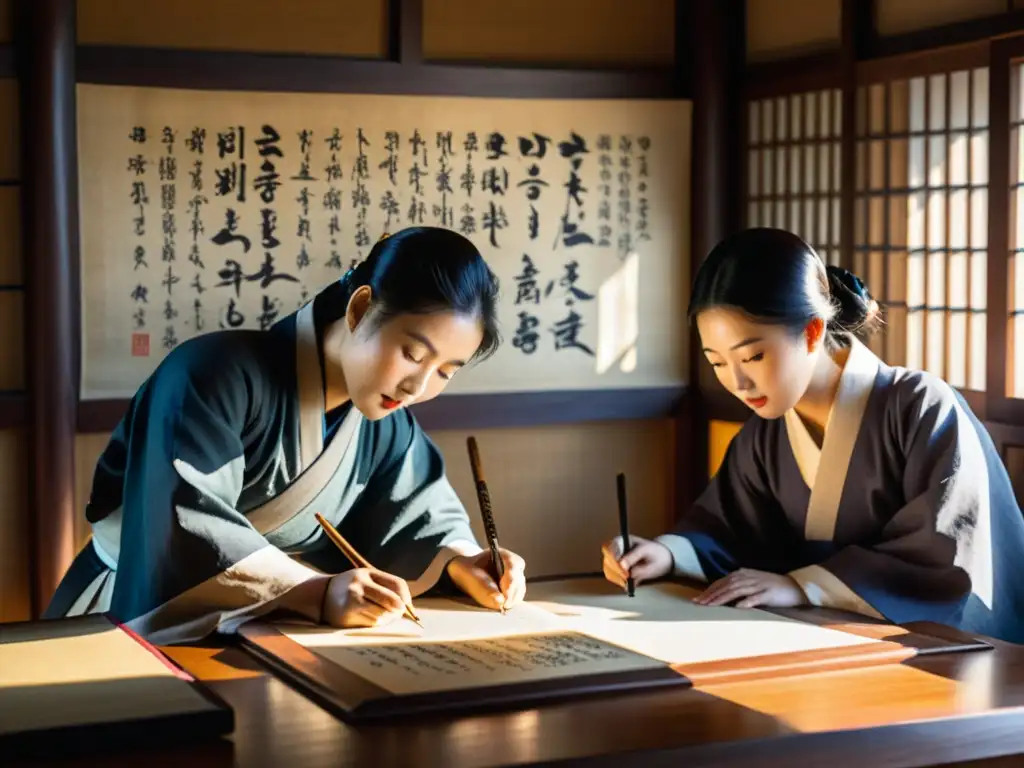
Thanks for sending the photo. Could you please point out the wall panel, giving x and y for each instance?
(12, 345)
(11, 271)
(553, 488)
(329, 27)
(779, 29)
(541, 31)
(894, 17)
(9, 130)
(14, 541)
(7, 20)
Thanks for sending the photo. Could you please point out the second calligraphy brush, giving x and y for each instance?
(357, 560)
(624, 526)
(485, 510)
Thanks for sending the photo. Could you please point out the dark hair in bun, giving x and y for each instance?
(773, 276)
(856, 311)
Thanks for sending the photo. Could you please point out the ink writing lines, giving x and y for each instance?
(565, 330)
(418, 170)
(268, 146)
(467, 183)
(494, 184)
(625, 206)
(231, 181)
(360, 195)
(422, 667)
(527, 336)
(168, 170)
(305, 197)
(643, 233)
(443, 214)
(266, 185)
(606, 176)
(257, 216)
(389, 204)
(533, 149)
(195, 145)
(571, 232)
(332, 198)
(137, 173)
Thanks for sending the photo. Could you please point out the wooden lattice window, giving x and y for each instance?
(794, 172)
(921, 219)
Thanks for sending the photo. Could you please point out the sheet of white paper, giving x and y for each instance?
(661, 621)
(432, 665)
(462, 645)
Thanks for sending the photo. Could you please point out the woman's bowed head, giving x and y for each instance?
(398, 326)
(771, 318)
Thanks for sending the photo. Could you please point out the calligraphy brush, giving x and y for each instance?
(485, 510)
(357, 560)
(620, 481)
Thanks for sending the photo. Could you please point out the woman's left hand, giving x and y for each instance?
(475, 577)
(752, 589)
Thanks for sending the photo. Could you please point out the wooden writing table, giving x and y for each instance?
(944, 709)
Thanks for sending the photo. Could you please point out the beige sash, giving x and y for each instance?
(317, 466)
(824, 469)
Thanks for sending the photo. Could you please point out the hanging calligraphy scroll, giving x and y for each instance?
(205, 210)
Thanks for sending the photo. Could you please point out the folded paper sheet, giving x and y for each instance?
(568, 628)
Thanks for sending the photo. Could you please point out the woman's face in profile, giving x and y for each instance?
(766, 366)
(401, 360)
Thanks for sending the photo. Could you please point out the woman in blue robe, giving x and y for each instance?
(203, 502)
(855, 484)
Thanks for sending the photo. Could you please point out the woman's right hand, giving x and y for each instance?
(646, 561)
(364, 597)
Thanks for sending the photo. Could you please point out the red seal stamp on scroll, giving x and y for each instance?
(140, 345)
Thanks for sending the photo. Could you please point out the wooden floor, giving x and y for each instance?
(947, 709)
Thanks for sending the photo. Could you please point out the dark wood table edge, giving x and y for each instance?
(960, 740)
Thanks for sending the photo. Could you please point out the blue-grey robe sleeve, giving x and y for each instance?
(936, 549)
(409, 521)
(189, 562)
(736, 522)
